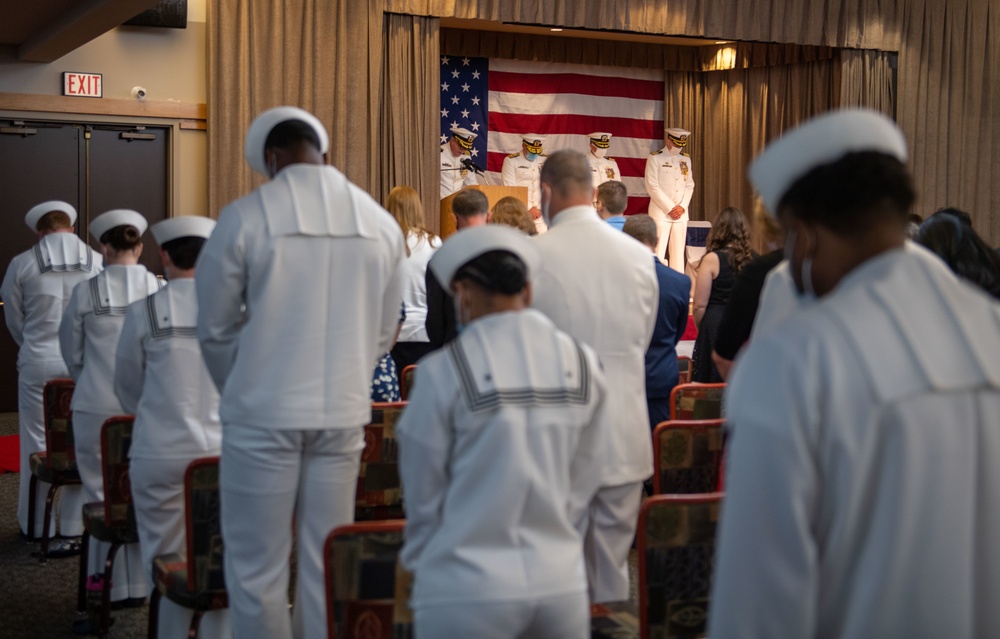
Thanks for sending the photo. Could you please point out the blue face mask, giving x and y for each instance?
(531, 156)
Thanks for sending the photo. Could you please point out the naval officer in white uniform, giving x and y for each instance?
(160, 377)
(863, 493)
(670, 185)
(599, 286)
(299, 289)
(499, 455)
(454, 175)
(524, 168)
(88, 338)
(35, 291)
(602, 167)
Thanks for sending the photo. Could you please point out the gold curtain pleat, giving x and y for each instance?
(408, 136)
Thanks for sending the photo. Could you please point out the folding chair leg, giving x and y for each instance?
(32, 492)
(109, 567)
(153, 629)
(195, 622)
(81, 588)
(47, 523)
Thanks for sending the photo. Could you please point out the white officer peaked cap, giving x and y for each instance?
(465, 133)
(182, 226)
(821, 140)
(468, 244)
(600, 139)
(534, 142)
(117, 217)
(678, 133)
(253, 149)
(39, 211)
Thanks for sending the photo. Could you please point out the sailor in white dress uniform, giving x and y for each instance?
(454, 175)
(499, 456)
(88, 338)
(670, 185)
(524, 168)
(35, 291)
(603, 167)
(863, 494)
(160, 377)
(299, 290)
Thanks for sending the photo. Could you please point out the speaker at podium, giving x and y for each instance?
(493, 195)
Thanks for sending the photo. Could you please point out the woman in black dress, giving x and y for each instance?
(727, 251)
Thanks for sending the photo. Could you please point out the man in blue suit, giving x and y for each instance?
(671, 320)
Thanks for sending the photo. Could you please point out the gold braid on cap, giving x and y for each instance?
(462, 142)
(679, 142)
(535, 147)
(602, 142)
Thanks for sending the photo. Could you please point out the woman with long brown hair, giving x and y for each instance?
(404, 204)
(727, 251)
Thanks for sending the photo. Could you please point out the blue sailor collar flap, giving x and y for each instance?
(318, 201)
(62, 252)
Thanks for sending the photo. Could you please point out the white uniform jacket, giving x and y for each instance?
(600, 286)
(669, 182)
(91, 325)
(499, 453)
(863, 493)
(520, 171)
(453, 175)
(415, 287)
(160, 377)
(37, 289)
(603, 169)
(299, 290)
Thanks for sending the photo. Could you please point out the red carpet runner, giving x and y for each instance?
(10, 454)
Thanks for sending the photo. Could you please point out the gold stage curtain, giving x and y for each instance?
(409, 141)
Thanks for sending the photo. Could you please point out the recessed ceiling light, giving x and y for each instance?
(722, 42)
(555, 29)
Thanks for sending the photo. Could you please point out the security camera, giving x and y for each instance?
(139, 93)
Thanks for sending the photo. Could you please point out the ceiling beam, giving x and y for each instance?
(88, 20)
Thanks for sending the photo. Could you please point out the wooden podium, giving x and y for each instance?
(493, 195)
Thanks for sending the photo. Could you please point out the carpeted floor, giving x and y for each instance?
(39, 602)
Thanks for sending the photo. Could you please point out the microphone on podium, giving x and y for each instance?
(470, 165)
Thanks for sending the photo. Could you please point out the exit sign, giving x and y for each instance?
(86, 85)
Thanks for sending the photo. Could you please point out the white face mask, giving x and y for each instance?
(808, 293)
(460, 320)
(600, 153)
(545, 211)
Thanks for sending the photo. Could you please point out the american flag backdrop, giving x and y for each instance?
(502, 99)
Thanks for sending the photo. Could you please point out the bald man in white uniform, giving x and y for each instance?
(35, 292)
(299, 290)
(863, 494)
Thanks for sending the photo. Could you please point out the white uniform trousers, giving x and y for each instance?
(128, 580)
(558, 617)
(31, 380)
(158, 495)
(266, 477)
(610, 528)
(672, 240)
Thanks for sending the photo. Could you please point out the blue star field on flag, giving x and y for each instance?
(464, 98)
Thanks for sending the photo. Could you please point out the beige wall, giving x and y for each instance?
(169, 63)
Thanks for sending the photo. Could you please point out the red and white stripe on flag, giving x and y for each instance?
(566, 102)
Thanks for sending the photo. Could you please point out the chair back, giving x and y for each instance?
(684, 369)
(687, 456)
(696, 401)
(203, 526)
(57, 395)
(406, 381)
(367, 592)
(116, 440)
(380, 494)
(676, 549)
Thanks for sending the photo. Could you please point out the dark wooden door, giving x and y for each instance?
(93, 168)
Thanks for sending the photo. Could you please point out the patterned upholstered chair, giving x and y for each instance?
(367, 592)
(112, 520)
(684, 369)
(195, 579)
(687, 456)
(380, 494)
(696, 401)
(676, 550)
(57, 463)
(406, 381)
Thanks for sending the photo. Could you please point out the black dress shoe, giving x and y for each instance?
(61, 548)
